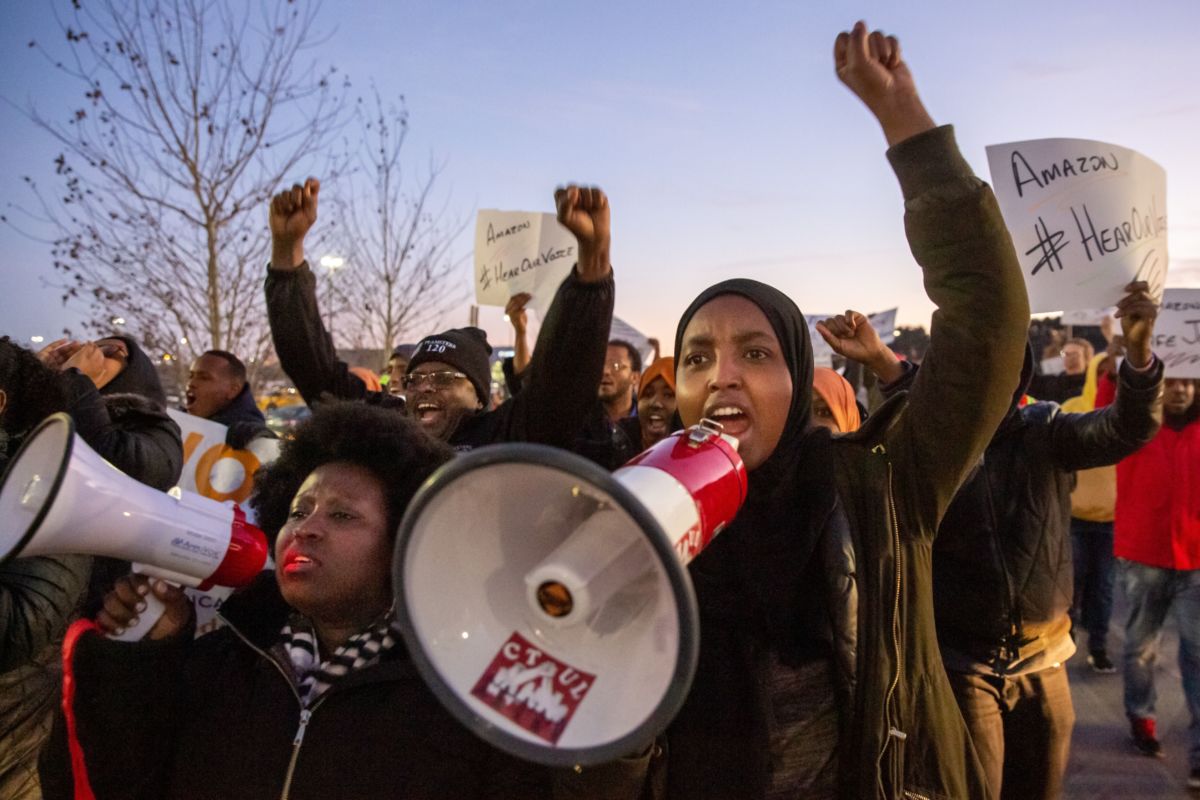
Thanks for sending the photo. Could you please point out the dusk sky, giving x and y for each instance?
(719, 130)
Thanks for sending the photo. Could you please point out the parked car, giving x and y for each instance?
(282, 420)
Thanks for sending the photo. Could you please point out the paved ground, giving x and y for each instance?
(1104, 765)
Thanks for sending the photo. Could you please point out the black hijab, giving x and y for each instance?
(138, 377)
(755, 583)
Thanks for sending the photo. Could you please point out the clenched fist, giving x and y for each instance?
(583, 210)
(871, 66)
(293, 212)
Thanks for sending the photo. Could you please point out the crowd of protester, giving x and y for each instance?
(889, 615)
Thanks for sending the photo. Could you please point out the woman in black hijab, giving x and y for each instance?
(819, 671)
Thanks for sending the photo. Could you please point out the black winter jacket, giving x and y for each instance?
(219, 717)
(243, 419)
(131, 431)
(1002, 563)
(559, 393)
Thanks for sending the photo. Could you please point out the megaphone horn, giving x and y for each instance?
(58, 496)
(546, 601)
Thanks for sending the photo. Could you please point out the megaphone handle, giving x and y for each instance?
(146, 619)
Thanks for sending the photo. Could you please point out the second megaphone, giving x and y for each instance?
(58, 497)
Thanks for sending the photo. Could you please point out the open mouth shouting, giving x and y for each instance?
(428, 412)
(734, 418)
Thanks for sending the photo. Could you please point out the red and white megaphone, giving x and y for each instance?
(58, 496)
(546, 601)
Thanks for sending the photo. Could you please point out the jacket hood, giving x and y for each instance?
(138, 377)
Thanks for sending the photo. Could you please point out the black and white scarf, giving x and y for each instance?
(314, 676)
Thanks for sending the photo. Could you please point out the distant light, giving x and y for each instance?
(466, 635)
(506, 319)
(37, 339)
(896, 332)
(333, 262)
(183, 340)
(118, 320)
(166, 356)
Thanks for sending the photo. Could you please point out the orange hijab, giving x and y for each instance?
(839, 396)
(662, 368)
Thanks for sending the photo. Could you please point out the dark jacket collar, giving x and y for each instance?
(241, 409)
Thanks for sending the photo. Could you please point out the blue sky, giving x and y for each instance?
(719, 130)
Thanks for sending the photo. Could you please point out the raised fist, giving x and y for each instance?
(1137, 312)
(852, 336)
(871, 66)
(583, 210)
(293, 212)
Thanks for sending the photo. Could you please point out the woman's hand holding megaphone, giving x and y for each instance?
(132, 596)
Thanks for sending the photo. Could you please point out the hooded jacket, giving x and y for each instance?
(559, 393)
(834, 545)
(126, 422)
(220, 717)
(1002, 564)
(243, 419)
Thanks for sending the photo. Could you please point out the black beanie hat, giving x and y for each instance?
(465, 349)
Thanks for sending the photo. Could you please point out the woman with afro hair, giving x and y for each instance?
(306, 690)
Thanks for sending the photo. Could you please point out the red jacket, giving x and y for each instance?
(1158, 501)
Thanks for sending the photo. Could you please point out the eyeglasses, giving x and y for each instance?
(442, 379)
(617, 366)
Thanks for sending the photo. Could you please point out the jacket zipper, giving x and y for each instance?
(305, 713)
(894, 529)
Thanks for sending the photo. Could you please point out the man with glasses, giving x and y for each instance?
(448, 378)
(622, 371)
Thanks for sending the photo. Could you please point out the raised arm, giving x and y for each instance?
(304, 347)
(971, 273)
(564, 373)
(1107, 435)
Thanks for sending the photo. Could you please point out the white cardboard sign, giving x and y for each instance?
(1087, 218)
(521, 251)
(1177, 333)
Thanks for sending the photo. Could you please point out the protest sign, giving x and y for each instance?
(1177, 333)
(1087, 218)
(213, 469)
(884, 323)
(521, 251)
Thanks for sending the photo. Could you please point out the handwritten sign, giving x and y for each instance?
(1086, 218)
(884, 323)
(521, 251)
(1176, 337)
(213, 469)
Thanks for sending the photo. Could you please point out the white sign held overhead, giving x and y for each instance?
(1087, 218)
(1177, 333)
(521, 251)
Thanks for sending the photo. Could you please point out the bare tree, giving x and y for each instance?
(195, 112)
(400, 276)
